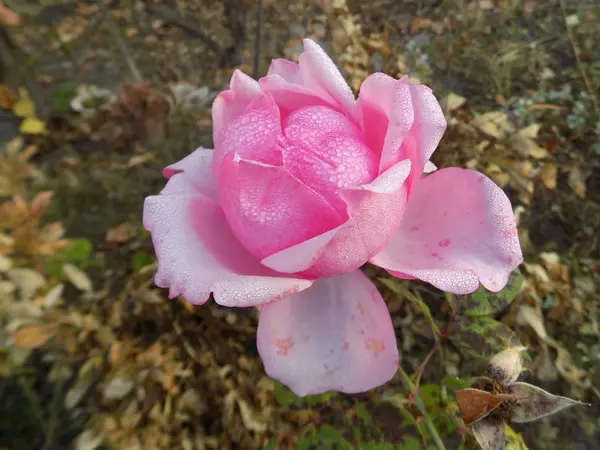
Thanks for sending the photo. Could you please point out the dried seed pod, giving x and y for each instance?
(507, 365)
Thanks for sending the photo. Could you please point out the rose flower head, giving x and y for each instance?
(305, 184)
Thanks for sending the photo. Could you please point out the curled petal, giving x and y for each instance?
(290, 96)
(233, 102)
(375, 210)
(458, 229)
(269, 209)
(321, 75)
(400, 120)
(197, 163)
(337, 335)
(533, 402)
(196, 251)
(490, 434)
(288, 70)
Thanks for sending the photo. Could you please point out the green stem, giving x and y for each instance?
(408, 384)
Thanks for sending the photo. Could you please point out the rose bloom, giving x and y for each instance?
(305, 184)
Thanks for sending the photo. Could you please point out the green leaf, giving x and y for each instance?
(270, 445)
(514, 441)
(285, 397)
(307, 438)
(410, 443)
(141, 259)
(79, 250)
(480, 337)
(484, 303)
(328, 435)
(363, 413)
(62, 96)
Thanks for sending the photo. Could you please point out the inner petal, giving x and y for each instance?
(325, 150)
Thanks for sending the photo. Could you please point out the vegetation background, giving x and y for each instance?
(98, 96)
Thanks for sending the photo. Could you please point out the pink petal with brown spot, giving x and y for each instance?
(458, 230)
(337, 335)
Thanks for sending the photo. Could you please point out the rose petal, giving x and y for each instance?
(233, 102)
(337, 335)
(288, 70)
(268, 209)
(400, 120)
(321, 75)
(325, 151)
(197, 252)
(458, 229)
(254, 135)
(198, 175)
(375, 211)
(290, 96)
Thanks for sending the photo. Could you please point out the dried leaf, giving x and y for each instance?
(32, 336)
(534, 403)
(27, 280)
(475, 404)
(548, 175)
(119, 234)
(32, 125)
(88, 441)
(24, 107)
(453, 101)
(507, 365)
(491, 435)
(5, 263)
(117, 388)
(577, 181)
(250, 417)
(77, 277)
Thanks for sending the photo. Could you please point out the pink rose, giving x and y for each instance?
(305, 185)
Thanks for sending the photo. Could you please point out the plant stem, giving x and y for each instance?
(408, 384)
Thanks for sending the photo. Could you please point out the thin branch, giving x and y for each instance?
(408, 384)
(194, 32)
(586, 79)
(116, 32)
(259, 22)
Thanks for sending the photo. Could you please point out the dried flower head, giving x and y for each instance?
(498, 398)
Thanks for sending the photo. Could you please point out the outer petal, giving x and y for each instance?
(458, 229)
(400, 120)
(375, 211)
(269, 209)
(197, 253)
(233, 102)
(337, 335)
(197, 163)
(321, 75)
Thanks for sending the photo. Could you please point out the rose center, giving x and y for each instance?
(325, 150)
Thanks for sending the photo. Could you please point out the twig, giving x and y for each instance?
(135, 73)
(408, 384)
(259, 21)
(194, 32)
(586, 79)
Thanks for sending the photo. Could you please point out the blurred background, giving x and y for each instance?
(96, 97)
